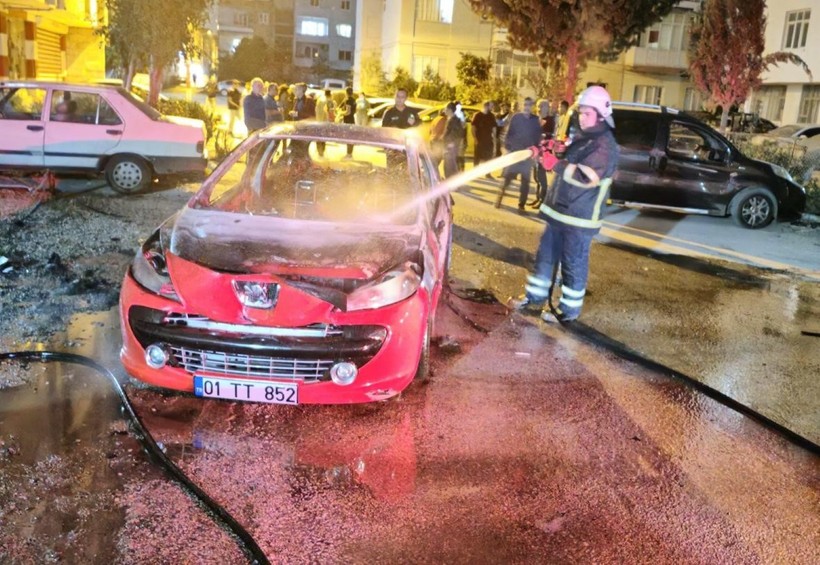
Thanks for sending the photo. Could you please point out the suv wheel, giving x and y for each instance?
(754, 208)
(128, 174)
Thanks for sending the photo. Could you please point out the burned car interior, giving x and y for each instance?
(306, 180)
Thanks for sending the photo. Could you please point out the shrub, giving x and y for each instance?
(190, 109)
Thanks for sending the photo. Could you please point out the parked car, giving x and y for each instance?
(673, 161)
(96, 129)
(795, 131)
(225, 85)
(295, 278)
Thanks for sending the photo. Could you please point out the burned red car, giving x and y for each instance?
(307, 269)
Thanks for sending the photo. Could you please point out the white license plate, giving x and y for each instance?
(246, 390)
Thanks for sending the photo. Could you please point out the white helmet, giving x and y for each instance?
(597, 97)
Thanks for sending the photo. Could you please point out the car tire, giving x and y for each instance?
(128, 174)
(423, 370)
(753, 208)
(224, 92)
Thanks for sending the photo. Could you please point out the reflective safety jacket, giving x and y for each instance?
(582, 180)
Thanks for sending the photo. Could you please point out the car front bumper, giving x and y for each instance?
(384, 343)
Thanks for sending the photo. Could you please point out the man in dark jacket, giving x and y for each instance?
(483, 129)
(573, 209)
(253, 106)
(400, 116)
(304, 108)
(523, 132)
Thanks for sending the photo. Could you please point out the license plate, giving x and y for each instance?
(246, 390)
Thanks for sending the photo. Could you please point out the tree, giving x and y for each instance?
(402, 79)
(433, 87)
(726, 58)
(153, 33)
(565, 34)
(473, 74)
(373, 79)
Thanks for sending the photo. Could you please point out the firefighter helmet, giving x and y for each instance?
(597, 97)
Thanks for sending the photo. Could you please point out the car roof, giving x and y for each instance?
(391, 137)
(51, 83)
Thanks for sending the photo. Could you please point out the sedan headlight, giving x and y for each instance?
(782, 173)
(390, 288)
(150, 271)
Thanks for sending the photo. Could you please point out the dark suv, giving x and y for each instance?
(673, 161)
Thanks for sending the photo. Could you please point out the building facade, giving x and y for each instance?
(51, 39)
(324, 36)
(231, 21)
(788, 94)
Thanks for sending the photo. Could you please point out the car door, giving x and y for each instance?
(23, 126)
(439, 214)
(81, 128)
(636, 180)
(695, 169)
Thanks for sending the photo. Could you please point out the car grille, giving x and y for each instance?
(256, 366)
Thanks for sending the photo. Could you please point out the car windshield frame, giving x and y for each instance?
(263, 148)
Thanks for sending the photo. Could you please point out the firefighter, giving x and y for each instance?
(573, 209)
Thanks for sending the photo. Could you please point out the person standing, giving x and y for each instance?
(437, 128)
(253, 106)
(400, 116)
(272, 112)
(284, 101)
(304, 108)
(234, 103)
(349, 115)
(502, 120)
(523, 132)
(483, 129)
(562, 122)
(325, 112)
(362, 108)
(453, 140)
(574, 209)
(211, 90)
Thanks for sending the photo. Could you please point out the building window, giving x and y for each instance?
(797, 29)
(344, 30)
(307, 51)
(421, 63)
(671, 33)
(264, 18)
(345, 4)
(692, 99)
(647, 94)
(317, 27)
(770, 101)
(240, 19)
(809, 103)
(345, 55)
(435, 11)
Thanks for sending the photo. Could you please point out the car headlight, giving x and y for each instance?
(782, 173)
(150, 270)
(390, 288)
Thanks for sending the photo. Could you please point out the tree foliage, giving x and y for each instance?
(565, 34)
(403, 79)
(433, 87)
(726, 57)
(253, 57)
(152, 33)
(473, 74)
(372, 76)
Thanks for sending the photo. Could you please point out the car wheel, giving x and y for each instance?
(423, 370)
(224, 92)
(754, 208)
(128, 174)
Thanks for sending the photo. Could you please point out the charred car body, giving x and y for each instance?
(296, 274)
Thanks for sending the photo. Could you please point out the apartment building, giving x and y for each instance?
(231, 21)
(416, 34)
(788, 94)
(51, 39)
(324, 32)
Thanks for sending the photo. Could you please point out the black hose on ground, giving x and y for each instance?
(229, 523)
(595, 337)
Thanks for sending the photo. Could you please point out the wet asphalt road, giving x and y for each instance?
(527, 445)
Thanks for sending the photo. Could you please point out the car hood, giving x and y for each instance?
(244, 243)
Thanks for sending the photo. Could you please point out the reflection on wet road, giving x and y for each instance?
(525, 444)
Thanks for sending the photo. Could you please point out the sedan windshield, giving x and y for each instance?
(316, 181)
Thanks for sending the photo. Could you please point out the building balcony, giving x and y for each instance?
(652, 60)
